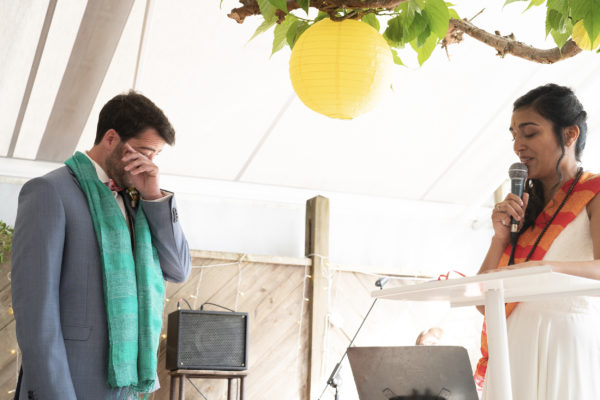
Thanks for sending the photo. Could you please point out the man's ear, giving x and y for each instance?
(571, 134)
(111, 139)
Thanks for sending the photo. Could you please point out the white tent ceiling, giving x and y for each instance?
(440, 135)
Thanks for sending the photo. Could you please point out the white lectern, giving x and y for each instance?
(493, 290)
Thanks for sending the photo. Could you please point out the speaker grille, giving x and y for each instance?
(214, 339)
(207, 340)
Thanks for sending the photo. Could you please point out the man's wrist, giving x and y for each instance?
(153, 195)
(165, 195)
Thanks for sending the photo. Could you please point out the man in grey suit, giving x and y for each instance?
(58, 266)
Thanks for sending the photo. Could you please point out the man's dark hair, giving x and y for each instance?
(131, 114)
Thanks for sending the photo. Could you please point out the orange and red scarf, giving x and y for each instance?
(584, 191)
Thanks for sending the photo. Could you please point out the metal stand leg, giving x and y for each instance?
(181, 387)
(172, 393)
(229, 388)
(498, 364)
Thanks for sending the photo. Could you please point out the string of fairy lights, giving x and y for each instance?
(328, 272)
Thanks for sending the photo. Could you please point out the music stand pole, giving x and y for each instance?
(332, 381)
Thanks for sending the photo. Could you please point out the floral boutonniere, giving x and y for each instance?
(134, 196)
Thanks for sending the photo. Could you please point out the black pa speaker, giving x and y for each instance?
(212, 340)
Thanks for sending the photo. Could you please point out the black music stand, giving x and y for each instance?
(412, 372)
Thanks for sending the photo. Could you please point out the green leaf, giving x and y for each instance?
(592, 23)
(290, 36)
(403, 7)
(266, 9)
(561, 38)
(580, 9)
(418, 4)
(301, 28)
(321, 15)
(453, 14)
(280, 33)
(372, 20)
(589, 11)
(280, 4)
(419, 24)
(534, 3)
(423, 36)
(424, 52)
(395, 30)
(562, 6)
(295, 31)
(555, 21)
(437, 13)
(265, 26)
(396, 58)
(409, 13)
(304, 4)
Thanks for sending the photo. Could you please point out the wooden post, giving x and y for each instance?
(317, 249)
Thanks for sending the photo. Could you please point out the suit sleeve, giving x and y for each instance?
(35, 278)
(168, 238)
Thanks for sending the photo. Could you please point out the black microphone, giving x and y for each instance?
(518, 174)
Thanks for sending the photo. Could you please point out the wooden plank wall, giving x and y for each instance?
(391, 323)
(8, 338)
(272, 296)
(270, 290)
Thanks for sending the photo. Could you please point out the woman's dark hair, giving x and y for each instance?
(559, 105)
(131, 114)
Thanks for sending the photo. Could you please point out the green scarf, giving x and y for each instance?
(133, 289)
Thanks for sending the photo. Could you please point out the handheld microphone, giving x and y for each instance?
(380, 283)
(518, 174)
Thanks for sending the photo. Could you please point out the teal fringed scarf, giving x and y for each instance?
(133, 289)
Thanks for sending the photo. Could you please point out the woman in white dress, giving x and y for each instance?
(554, 346)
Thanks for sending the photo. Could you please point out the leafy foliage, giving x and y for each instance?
(6, 234)
(423, 24)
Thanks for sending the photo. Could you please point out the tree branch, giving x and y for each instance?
(508, 45)
(250, 7)
(503, 44)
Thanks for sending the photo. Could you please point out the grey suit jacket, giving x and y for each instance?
(57, 288)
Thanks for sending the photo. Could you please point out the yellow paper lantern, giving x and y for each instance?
(341, 69)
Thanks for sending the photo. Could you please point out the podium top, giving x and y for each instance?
(523, 284)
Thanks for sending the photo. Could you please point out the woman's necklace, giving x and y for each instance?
(579, 172)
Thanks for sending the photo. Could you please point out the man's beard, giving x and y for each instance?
(116, 169)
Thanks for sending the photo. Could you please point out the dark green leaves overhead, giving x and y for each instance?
(266, 9)
(395, 31)
(589, 11)
(281, 32)
(304, 4)
(372, 20)
(294, 32)
(280, 4)
(563, 15)
(424, 23)
(436, 12)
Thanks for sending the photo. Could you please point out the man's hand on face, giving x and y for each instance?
(143, 173)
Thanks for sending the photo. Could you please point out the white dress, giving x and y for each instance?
(554, 345)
